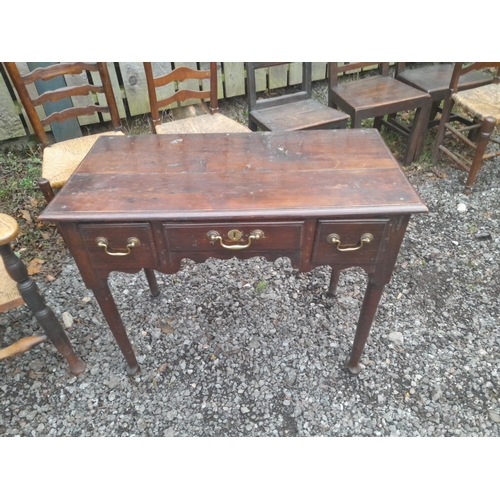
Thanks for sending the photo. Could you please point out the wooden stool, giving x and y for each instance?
(17, 288)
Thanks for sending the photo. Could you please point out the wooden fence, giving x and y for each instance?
(129, 83)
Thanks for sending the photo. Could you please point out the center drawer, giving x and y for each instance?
(227, 238)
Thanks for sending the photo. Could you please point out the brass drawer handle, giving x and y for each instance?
(214, 236)
(131, 243)
(334, 239)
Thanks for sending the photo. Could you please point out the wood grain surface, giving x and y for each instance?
(323, 173)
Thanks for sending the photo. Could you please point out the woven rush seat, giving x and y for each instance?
(203, 124)
(481, 101)
(62, 158)
(10, 297)
(9, 294)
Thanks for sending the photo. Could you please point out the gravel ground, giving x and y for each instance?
(254, 348)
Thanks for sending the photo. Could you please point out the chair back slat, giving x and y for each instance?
(183, 95)
(60, 116)
(57, 70)
(56, 95)
(460, 69)
(254, 104)
(335, 69)
(180, 74)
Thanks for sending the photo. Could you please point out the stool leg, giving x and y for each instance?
(45, 316)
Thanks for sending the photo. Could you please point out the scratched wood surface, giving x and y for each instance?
(325, 172)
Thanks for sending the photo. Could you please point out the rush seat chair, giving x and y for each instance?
(482, 103)
(187, 84)
(62, 158)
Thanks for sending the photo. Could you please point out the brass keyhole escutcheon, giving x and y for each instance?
(234, 235)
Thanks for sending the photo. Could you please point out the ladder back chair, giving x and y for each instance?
(377, 96)
(482, 103)
(183, 84)
(435, 80)
(62, 158)
(292, 111)
(18, 288)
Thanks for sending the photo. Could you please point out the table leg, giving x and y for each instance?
(368, 309)
(110, 311)
(153, 285)
(334, 281)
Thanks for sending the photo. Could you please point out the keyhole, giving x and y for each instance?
(234, 235)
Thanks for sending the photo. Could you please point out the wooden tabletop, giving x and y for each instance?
(266, 174)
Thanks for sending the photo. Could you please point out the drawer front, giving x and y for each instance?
(140, 253)
(228, 238)
(345, 238)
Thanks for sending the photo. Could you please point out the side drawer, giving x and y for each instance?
(276, 236)
(349, 234)
(117, 237)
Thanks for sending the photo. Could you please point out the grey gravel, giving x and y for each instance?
(255, 348)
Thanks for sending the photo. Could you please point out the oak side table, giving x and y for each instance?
(323, 197)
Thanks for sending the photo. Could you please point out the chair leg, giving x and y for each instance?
(356, 121)
(445, 118)
(252, 125)
(484, 137)
(434, 110)
(415, 142)
(45, 316)
(46, 189)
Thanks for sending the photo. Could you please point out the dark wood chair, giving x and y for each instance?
(292, 111)
(18, 288)
(184, 84)
(435, 80)
(377, 96)
(61, 159)
(483, 104)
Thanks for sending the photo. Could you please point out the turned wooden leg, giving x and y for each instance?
(110, 311)
(334, 281)
(484, 137)
(45, 316)
(153, 285)
(368, 309)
